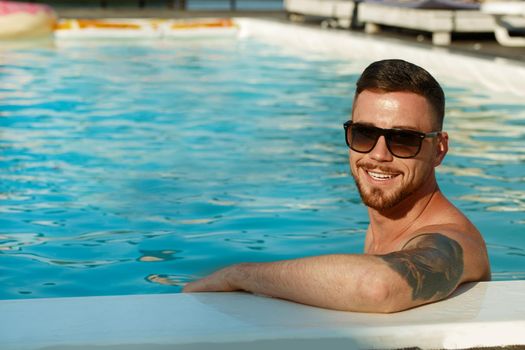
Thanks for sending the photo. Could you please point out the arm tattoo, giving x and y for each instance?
(432, 265)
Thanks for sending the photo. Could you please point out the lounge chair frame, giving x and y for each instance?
(509, 17)
(336, 13)
(440, 22)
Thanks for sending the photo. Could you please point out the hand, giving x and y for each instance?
(219, 281)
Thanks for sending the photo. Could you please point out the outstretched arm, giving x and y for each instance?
(428, 268)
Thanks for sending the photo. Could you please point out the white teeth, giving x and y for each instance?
(380, 176)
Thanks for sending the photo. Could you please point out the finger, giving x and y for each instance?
(196, 286)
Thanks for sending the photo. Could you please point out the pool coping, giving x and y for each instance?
(476, 315)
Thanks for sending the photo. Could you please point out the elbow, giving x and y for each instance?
(379, 296)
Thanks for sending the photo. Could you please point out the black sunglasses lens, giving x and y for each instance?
(362, 138)
(403, 144)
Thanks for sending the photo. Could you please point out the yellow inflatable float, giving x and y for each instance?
(144, 28)
(24, 20)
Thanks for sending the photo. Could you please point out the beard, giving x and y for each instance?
(379, 199)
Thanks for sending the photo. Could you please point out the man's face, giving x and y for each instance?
(384, 180)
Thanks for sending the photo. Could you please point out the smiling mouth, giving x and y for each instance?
(379, 176)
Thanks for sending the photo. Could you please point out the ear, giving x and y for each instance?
(441, 148)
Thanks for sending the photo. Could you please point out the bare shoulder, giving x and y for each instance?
(433, 262)
(449, 222)
(473, 247)
(432, 265)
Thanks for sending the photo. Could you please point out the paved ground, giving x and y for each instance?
(474, 44)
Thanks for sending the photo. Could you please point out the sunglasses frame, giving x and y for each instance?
(385, 132)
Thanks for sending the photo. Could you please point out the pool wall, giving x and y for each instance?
(498, 75)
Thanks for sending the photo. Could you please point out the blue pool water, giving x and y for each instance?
(134, 167)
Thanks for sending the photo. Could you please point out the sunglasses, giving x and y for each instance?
(400, 142)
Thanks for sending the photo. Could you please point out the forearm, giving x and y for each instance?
(343, 282)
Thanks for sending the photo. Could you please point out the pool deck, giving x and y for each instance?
(488, 314)
(484, 45)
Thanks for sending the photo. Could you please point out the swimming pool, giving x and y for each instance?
(134, 167)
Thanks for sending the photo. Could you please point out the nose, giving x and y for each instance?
(380, 151)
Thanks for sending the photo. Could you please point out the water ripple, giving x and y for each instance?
(189, 155)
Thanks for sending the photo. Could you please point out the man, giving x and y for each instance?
(418, 246)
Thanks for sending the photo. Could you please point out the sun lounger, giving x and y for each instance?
(439, 17)
(510, 17)
(336, 13)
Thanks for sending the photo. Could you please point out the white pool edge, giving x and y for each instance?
(479, 314)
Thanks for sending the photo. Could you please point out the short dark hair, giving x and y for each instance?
(398, 75)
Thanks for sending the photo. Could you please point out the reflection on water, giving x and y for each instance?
(508, 275)
(157, 256)
(137, 175)
(17, 241)
(507, 200)
(491, 134)
(170, 280)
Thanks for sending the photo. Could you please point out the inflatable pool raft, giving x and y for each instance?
(144, 28)
(484, 314)
(19, 20)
